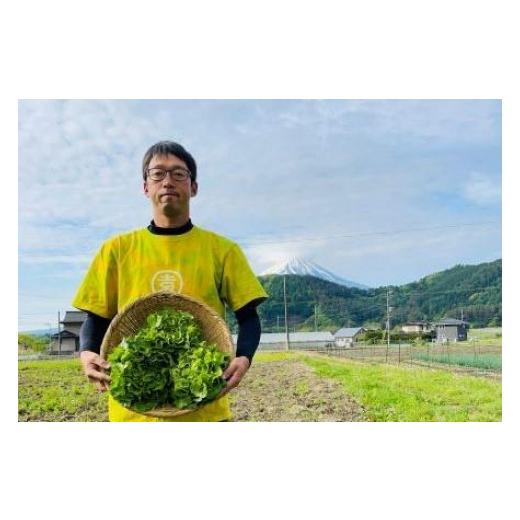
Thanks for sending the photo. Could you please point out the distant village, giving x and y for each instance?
(446, 330)
(66, 341)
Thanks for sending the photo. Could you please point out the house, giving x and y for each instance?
(451, 329)
(346, 337)
(297, 340)
(416, 326)
(67, 340)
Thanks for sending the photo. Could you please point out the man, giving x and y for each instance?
(170, 254)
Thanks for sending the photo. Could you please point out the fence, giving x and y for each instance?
(472, 355)
(47, 355)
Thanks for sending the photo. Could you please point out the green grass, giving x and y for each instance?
(390, 393)
(485, 333)
(57, 390)
(485, 361)
(487, 336)
(302, 388)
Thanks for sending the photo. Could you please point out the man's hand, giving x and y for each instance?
(95, 369)
(234, 373)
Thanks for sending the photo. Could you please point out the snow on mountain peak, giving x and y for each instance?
(300, 266)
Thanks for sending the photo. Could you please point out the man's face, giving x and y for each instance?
(171, 197)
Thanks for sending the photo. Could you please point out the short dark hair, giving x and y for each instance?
(170, 148)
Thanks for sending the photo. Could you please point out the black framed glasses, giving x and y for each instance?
(177, 174)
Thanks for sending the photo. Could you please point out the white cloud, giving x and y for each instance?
(263, 256)
(483, 189)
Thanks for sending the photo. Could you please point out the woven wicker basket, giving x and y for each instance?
(133, 317)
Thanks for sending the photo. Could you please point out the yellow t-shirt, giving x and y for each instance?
(198, 263)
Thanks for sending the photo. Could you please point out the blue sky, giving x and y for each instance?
(282, 178)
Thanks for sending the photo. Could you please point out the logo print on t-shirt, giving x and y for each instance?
(170, 281)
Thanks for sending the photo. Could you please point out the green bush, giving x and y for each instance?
(30, 343)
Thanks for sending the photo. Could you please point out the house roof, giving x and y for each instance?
(450, 321)
(295, 337)
(311, 336)
(65, 334)
(348, 332)
(74, 317)
(415, 323)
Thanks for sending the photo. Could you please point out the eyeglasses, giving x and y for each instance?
(177, 174)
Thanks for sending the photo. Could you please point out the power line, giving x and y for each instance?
(367, 234)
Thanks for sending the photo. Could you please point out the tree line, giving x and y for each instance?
(471, 292)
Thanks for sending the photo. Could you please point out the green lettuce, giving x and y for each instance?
(197, 378)
(167, 363)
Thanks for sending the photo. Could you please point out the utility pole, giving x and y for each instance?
(50, 335)
(59, 335)
(315, 318)
(286, 325)
(388, 309)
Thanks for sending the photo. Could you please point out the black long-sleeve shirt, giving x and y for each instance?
(249, 330)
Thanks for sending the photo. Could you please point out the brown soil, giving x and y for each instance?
(289, 391)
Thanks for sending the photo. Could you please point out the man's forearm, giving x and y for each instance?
(92, 331)
(249, 331)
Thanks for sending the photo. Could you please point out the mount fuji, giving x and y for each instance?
(303, 267)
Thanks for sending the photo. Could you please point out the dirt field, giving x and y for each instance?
(290, 391)
(290, 387)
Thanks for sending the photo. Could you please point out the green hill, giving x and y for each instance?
(476, 290)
